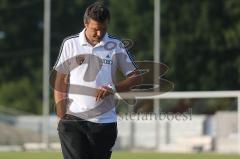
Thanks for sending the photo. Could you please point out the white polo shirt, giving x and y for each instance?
(97, 68)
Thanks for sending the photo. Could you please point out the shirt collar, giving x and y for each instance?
(83, 41)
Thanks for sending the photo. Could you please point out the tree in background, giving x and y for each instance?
(200, 43)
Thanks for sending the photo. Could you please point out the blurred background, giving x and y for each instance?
(199, 42)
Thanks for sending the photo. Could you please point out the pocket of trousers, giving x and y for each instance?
(67, 126)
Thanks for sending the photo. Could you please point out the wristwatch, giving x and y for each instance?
(113, 88)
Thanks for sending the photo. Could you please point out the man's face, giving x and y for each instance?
(95, 31)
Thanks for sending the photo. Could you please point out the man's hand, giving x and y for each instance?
(102, 92)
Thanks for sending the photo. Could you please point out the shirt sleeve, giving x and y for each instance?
(126, 62)
(62, 63)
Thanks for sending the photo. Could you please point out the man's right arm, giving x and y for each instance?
(61, 93)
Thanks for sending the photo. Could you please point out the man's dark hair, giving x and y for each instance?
(98, 12)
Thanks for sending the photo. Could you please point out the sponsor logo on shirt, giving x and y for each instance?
(107, 60)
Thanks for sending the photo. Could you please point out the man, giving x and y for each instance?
(85, 85)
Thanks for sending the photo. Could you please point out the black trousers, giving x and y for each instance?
(81, 139)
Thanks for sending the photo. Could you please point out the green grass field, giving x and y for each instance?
(117, 155)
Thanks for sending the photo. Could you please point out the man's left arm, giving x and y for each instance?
(134, 78)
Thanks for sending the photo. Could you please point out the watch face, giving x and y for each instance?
(113, 89)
